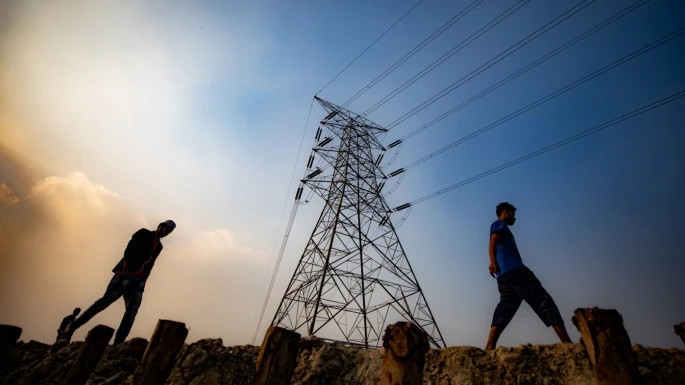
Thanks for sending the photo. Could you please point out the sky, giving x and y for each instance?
(119, 115)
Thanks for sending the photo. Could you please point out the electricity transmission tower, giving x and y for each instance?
(353, 274)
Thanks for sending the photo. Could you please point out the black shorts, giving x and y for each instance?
(518, 285)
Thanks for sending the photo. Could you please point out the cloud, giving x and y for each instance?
(7, 195)
(121, 91)
(58, 246)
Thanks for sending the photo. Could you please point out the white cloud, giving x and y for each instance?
(119, 90)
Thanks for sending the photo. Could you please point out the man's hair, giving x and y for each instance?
(78, 309)
(504, 206)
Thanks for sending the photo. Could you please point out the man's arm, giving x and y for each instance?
(494, 240)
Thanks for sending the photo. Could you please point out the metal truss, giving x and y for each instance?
(353, 275)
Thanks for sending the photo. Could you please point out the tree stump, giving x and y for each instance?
(608, 346)
(160, 355)
(91, 353)
(277, 357)
(680, 330)
(9, 335)
(403, 355)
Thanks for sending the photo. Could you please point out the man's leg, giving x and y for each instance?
(561, 332)
(542, 303)
(506, 308)
(133, 296)
(112, 293)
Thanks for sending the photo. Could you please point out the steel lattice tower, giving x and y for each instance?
(353, 274)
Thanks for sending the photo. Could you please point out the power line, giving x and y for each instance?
(463, 44)
(370, 45)
(281, 251)
(539, 32)
(414, 50)
(285, 204)
(530, 66)
(553, 146)
(551, 96)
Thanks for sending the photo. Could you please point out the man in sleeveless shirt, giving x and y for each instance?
(516, 283)
(130, 275)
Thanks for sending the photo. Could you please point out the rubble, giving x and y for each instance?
(209, 362)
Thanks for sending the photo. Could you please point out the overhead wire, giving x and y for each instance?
(449, 23)
(292, 214)
(555, 145)
(530, 66)
(288, 228)
(453, 51)
(550, 96)
(369, 47)
(522, 43)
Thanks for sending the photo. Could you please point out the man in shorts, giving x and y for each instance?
(515, 281)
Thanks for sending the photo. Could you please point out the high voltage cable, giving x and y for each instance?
(414, 50)
(539, 32)
(463, 44)
(553, 146)
(281, 251)
(551, 96)
(370, 45)
(530, 66)
(285, 204)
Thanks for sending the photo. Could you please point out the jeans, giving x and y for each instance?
(131, 287)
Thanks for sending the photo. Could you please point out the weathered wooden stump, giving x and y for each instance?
(608, 346)
(160, 355)
(277, 357)
(91, 353)
(9, 335)
(403, 355)
(680, 330)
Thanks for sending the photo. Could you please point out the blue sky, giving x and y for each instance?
(196, 112)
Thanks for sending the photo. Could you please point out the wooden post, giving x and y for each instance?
(161, 352)
(9, 335)
(277, 357)
(91, 353)
(403, 355)
(608, 346)
(680, 330)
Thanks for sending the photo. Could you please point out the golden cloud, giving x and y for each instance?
(7, 195)
(60, 242)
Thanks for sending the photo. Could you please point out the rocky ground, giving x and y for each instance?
(209, 362)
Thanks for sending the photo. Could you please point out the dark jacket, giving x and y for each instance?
(66, 322)
(139, 254)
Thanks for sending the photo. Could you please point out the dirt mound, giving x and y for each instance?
(209, 362)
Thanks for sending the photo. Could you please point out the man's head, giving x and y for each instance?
(77, 311)
(506, 212)
(165, 228)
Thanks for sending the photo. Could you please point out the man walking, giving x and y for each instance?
(66, 321)
(515, 281)
(129, 279)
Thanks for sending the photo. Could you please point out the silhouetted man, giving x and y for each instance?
(515, 281)
(67, 321)
(129, 279)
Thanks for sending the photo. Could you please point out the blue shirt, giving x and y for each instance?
(507, 254)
